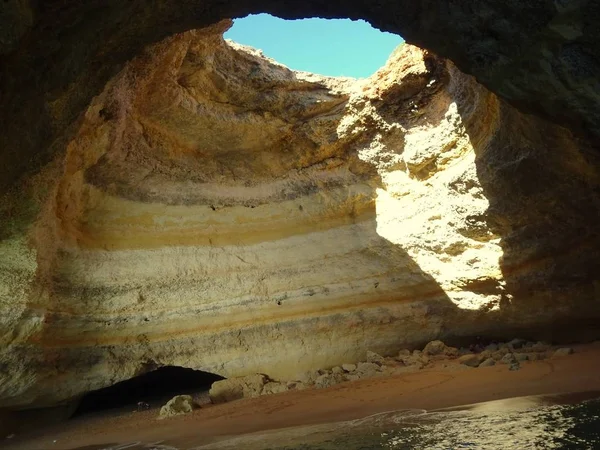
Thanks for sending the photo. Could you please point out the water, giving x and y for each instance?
(551, 422)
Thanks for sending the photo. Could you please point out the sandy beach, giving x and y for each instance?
(432, 388)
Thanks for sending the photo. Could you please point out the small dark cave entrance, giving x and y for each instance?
(154, 388)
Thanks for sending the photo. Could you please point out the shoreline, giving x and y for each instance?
(434, 388)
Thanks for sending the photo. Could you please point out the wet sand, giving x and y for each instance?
(432, 388)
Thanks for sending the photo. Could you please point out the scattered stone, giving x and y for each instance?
(308, 377)
(521, 356)
(367, 369)
(492, 348)
(419, 356)
(508, 358)
(393, 363)
(325, 381)
(434, 348)
(499, 354)
(470, 360)
(274, 387)
(349, 367)
(235, 388)
(451, 352)
(180, 404)
(337, 369)
(537, 356)
(485, 354)
(403, 354)
(563, 352)
(375, 358)
(488, 362)
(517, 343)
(296, 385)
(539, 347)
(514, 366)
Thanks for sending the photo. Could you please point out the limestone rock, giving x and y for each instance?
(521, 357)
(236, 388)
(565, 351)
(492, 347)
(349, 367)
(375, 358)
(273, 387)
(434, 348)
(296, 385)
(180, 404)
(470, 360)
(404, 353)
(539, 347)
(508, 358)
(308, 377)
(367, 370)
(488, 362)
(327, 380)
(516, 343)
(337, 370)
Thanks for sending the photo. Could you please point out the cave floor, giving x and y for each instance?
(431, 388)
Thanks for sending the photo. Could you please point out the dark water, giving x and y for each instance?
(552, 422)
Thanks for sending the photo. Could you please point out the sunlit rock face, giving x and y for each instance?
(217, 211)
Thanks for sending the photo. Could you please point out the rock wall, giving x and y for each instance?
(217, 211)
(55, 55)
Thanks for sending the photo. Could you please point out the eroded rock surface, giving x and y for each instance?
(55, 56)
(215, 210)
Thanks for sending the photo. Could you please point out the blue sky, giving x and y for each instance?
(327, 47)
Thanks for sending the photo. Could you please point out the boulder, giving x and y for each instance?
(327, 380)
(375, 358)
(521, 357)
(451, 352)
(487, 363)
(434, 348)
(499, 354)
(236, 388)
(274, 387)
(517, 343)
(471, 360)
(565, 351)
(508, 358)
(180, 404)
(492, 347)
(308, 377)
(296, 386)
(539, 347)
(367, 369)
(404, 353)
(349, 367)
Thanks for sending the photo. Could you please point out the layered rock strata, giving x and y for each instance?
(218, 211)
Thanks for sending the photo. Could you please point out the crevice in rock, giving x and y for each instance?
(146, 390)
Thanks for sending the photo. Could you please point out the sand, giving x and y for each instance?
(431, 388)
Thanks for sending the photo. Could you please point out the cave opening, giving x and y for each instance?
(330, 47)
(150, 389)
